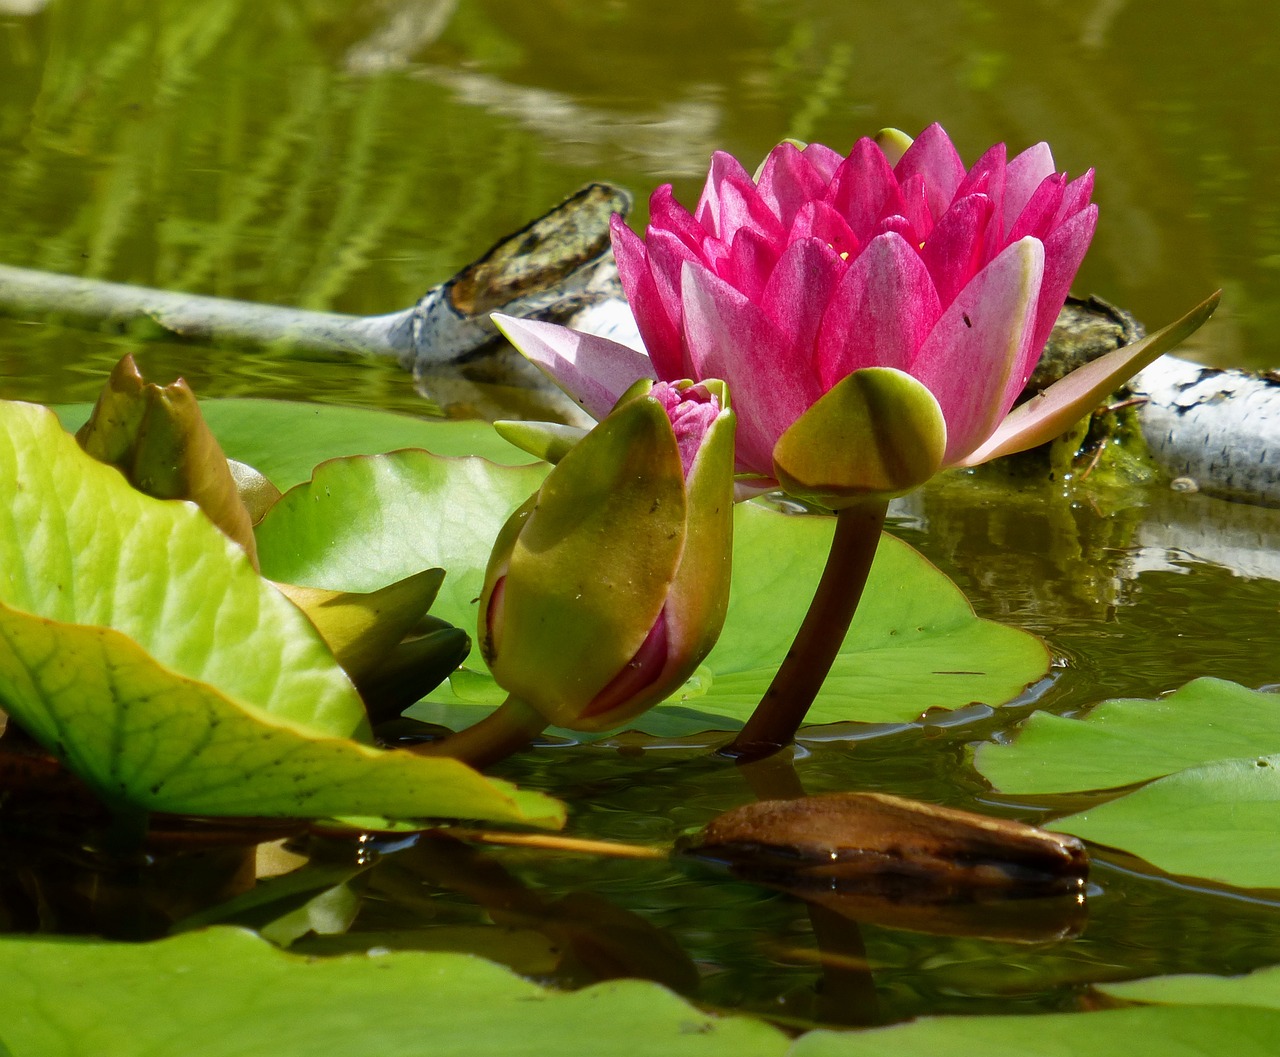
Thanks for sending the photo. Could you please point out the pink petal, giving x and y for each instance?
(1065, 402)
(798, 291)
(915, 195)
(787, 181)
(957, 248)
(657, 318)
(594, 371)
(1075, 198)
(882, 311)
(818, 220)
(1024, 174)
(731, 338)
(667, 256)
(899, 225)
(969, 360)
(750, 263)
(742, 207)
(1038, 214)
(1063, 252)
(665, 212)
(933, 157)
(864, 189)
(988, 177)
(724, 167)
(824, 160)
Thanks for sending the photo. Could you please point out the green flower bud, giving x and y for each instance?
(609, 586)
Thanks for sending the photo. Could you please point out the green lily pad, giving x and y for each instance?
(1219, 821)
(226, 993)
(139, 645)
(365, 522)
(285, 439)
(1132, 740)
(1260, 988)
(1188, 1031)
(915, 643)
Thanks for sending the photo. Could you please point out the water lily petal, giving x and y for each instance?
(969, 359)
(657, 317)
(818, 220)
(751, 261)
(668, 214)
(798, 291)
(667, 256)
(1023, 175)
(594, 371)
(957, 248)
(788, 180)
(987, 176)
(881, 312)
(824, 160)
(724, 168)
(731, 338)
(741, 206)
(1038, 214)
(916, 195)
(1075, 198)
(933, 157)
(1068, 400)
(864, 189)
(1063, 252)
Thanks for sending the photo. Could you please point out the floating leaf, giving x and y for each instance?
(138, 644)
(1220, 821)
(1260, 988)
(365, 522)
(286, 439)
(914, 645)
(226, 993)
(1188, 1031)
(1132, 740)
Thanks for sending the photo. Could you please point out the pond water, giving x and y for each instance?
(348, 156)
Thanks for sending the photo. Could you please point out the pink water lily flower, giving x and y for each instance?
(878, 314)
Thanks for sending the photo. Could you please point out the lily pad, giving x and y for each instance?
(1131, 740)
(365, 522)
(1260, 988)
(226, 993)
(1218, 821)
(286, 439)
(1188, 1031)
(914, 645)
(139, 645)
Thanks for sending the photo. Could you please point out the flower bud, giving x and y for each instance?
(609, 586)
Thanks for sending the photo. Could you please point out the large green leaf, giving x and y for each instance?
(284, 439)
(226, 993)
(1132, 740)
(1214, 748)
(914, 645)
(365, 522)
(1219, 820)
(1186, 1031)
(1260, 988)
(138, 644)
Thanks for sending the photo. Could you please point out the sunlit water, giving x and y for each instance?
(328, 161)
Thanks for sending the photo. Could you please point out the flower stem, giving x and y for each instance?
(505, 731)
(782, 709)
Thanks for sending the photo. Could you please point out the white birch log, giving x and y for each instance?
(1217, 431)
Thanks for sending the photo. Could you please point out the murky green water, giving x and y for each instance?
(348, 156)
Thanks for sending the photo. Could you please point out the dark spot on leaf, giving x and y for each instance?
(967, 321)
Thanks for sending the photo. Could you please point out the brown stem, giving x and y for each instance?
(508, 729)
(782, 709)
